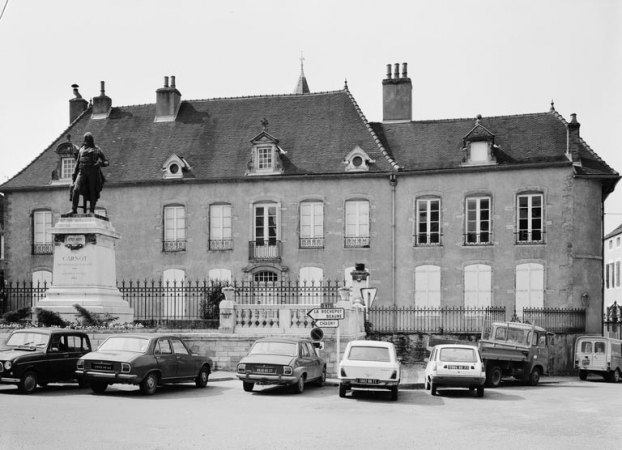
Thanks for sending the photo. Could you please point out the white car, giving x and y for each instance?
(369, 365)
(453, 365)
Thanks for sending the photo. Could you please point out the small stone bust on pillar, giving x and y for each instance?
(359, 280)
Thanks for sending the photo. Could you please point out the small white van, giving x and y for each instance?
(598, 355)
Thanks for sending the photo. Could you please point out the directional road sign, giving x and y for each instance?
(327, 323)
(326, 313)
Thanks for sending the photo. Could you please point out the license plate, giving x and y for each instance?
(268, 370)
(458, 367)
(101, 366)
(367, 381)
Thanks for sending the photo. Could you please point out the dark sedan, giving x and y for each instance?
(143, 360)
(283, 361)
(38, 356)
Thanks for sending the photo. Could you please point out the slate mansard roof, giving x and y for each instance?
(315, 130)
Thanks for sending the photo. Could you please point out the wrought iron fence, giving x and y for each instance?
(408, 319)
(556, 320)
(612, 321)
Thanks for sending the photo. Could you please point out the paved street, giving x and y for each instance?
(561, 414)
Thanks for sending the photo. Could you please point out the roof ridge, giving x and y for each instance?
(390, 160)
(507, 116)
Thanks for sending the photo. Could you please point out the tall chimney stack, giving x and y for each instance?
(168, 101)
(77, 105)
(397, 95)
(574, 140)
(101, 104)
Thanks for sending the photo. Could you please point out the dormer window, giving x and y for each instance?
(67, 153)
(175, 166)
(265, 155)
(479, 146)
(357, 160)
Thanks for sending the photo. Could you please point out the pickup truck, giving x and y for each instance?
(515, 349)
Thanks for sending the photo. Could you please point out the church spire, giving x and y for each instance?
(302, 87)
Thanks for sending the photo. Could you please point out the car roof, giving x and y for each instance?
(472, 347)
(370, 343)
(48, 331)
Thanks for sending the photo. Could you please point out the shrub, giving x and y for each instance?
(17, 316)
(91, 319)
(49, 318)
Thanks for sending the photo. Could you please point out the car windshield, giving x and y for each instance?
(274, 348)
(512, 335)
(458, 355)
(360, 353)
(126, 344)
(28, 339)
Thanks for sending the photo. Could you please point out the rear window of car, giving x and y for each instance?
(360, 353)
(138, 345)
(457, 355)
(274, 348)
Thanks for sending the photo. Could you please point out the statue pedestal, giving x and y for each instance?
(85, 270)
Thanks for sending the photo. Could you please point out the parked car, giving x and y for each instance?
(599, 355)
(143, 360)
(453, 365)
(38, 356)
(369, 365)
(282, 361)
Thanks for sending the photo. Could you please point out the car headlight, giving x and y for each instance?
(287, 370)
(125, 368)
(8, 365)
(80, 364)
(241, 368)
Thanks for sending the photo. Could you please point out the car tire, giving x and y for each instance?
(322, 380)
(299, 387)
(394, 393)
(149, 385)
(426, 385)
(248, 386)
(614, 377)
(493, 376)
(583, 375)
(534, 377)
(480, 391)
(432, 388)
(98, 386)
(202, 377)
(28, 383)
(342, 390)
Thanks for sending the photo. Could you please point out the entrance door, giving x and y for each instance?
(266, 232)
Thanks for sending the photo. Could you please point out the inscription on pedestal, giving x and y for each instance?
(74, 269)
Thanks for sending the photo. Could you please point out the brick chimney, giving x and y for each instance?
(101, 104)
(77, 105)
(397, 95)
(168, 100)
(574, 140)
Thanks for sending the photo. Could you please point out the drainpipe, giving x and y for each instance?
(602, 268)
(393, 182)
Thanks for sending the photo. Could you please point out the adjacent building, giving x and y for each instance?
(483, 211)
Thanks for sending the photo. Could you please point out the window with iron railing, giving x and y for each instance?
(478, 221)
(312, 225)
(220, 228)
(357, 224)
(529, 215)
(42, 237)
(428, 222)
(174, 229)
(264, 249)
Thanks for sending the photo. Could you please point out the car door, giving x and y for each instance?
(307, 361)
(185, 362)
(165, 358)
(315, 360)
(57, 359)
(76, 347)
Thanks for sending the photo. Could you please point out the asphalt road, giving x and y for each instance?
(567, 415)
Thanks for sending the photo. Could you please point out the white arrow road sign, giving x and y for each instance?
(326, 313)
(327, 323)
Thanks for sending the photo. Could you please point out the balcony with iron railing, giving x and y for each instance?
(427, 240)
(312, 242)
(174, 246)
(220, 244)
(264, 250)
(476, 239)
(356, 242)
(524, 237)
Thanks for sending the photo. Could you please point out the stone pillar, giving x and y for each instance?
(227, 311)
(85, 270)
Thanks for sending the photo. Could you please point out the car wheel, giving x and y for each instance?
(149, 384)
(432, 388)
(394, 393)
(534, 377)
(615, 376)
(493, 376)
(342, 390)
(583, 375)
(480, 391)
(248, 387)
(322, 380)
(98, 386)
(300, 385)
(426, 385)
(28, 383)
(201, 380)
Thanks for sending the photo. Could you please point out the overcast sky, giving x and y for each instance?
(488, 57)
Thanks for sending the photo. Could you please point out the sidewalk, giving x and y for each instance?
(412, 377)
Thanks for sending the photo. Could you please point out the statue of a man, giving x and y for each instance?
(88, 179)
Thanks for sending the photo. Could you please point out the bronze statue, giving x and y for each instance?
(88, 179)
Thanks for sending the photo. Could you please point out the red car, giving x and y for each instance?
(143, 360)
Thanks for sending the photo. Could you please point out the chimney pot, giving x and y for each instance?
(165, 82)
(573, 118)
(172, 81)
(396, 71)
(388, 71)
(103, 89)
(404, 70)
